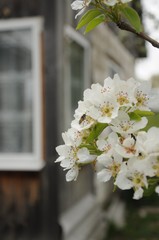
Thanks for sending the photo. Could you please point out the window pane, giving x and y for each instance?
(77, 74)
(15, 91)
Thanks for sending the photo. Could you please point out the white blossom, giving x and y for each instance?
(70, 158)
(123, 124)
(125, 91)
(72, 174)
(105, 108)
(131, 178)
(72, 137)
(122, 150)
(148, 142)
(142, 96)
(145, 165)
(127, 148)
(106, 145)
(82, 121)
(80, 5)
(111, 166)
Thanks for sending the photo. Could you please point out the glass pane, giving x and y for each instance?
(16, 91)
(76, 73)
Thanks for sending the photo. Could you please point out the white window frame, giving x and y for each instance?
(69, 35)
(29, 161)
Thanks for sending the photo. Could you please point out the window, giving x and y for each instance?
(20, 94)
(76, 71)
(76, 80)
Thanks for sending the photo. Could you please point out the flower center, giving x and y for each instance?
(138, 180)
(125, 126)
(141, 99)
(130, 149)
(122, 98)
(115, 168)
(107, 110)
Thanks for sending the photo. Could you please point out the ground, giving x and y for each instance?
(142, 221)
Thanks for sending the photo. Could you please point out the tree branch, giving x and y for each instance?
(127, 27)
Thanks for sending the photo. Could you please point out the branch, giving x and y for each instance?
(127, 27)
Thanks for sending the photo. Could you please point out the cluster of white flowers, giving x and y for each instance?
(107, 132)
(83, 4)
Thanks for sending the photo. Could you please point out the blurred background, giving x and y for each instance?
(45, 65)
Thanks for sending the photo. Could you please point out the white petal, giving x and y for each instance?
(117, 157)
(128, 142)
(72, 174)
(79, 13)
(109, 85)
(102, 144)
(105, 133)
(76, 5)
(110, 2)
(141, 124)
(105, 160)
(123, 182)
(138, 194)
(59, 159)
(104, 175)
(94, 112)
(67, 163)
(84, 156)
(63, 150)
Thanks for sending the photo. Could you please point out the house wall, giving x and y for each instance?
(29, 204)
(108, 54)
(34, 206)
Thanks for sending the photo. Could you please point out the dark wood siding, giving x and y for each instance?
(29, 204)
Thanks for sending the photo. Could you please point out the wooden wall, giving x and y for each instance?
(29, 204)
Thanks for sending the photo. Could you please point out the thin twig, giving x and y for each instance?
(127, 27)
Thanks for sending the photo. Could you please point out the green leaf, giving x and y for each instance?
(150, 190)
(153, 121)
(96, 131)
(87, 17)
(152, 183)
(95, 22)
(132, 16)
(134, 116)
(144, 113)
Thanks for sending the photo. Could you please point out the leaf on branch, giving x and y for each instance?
(151, 189)
(134, 116)
(132, 16)
(98, 128)
(87, 17)
(94, 23)
(144, 113)
(153, 121)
